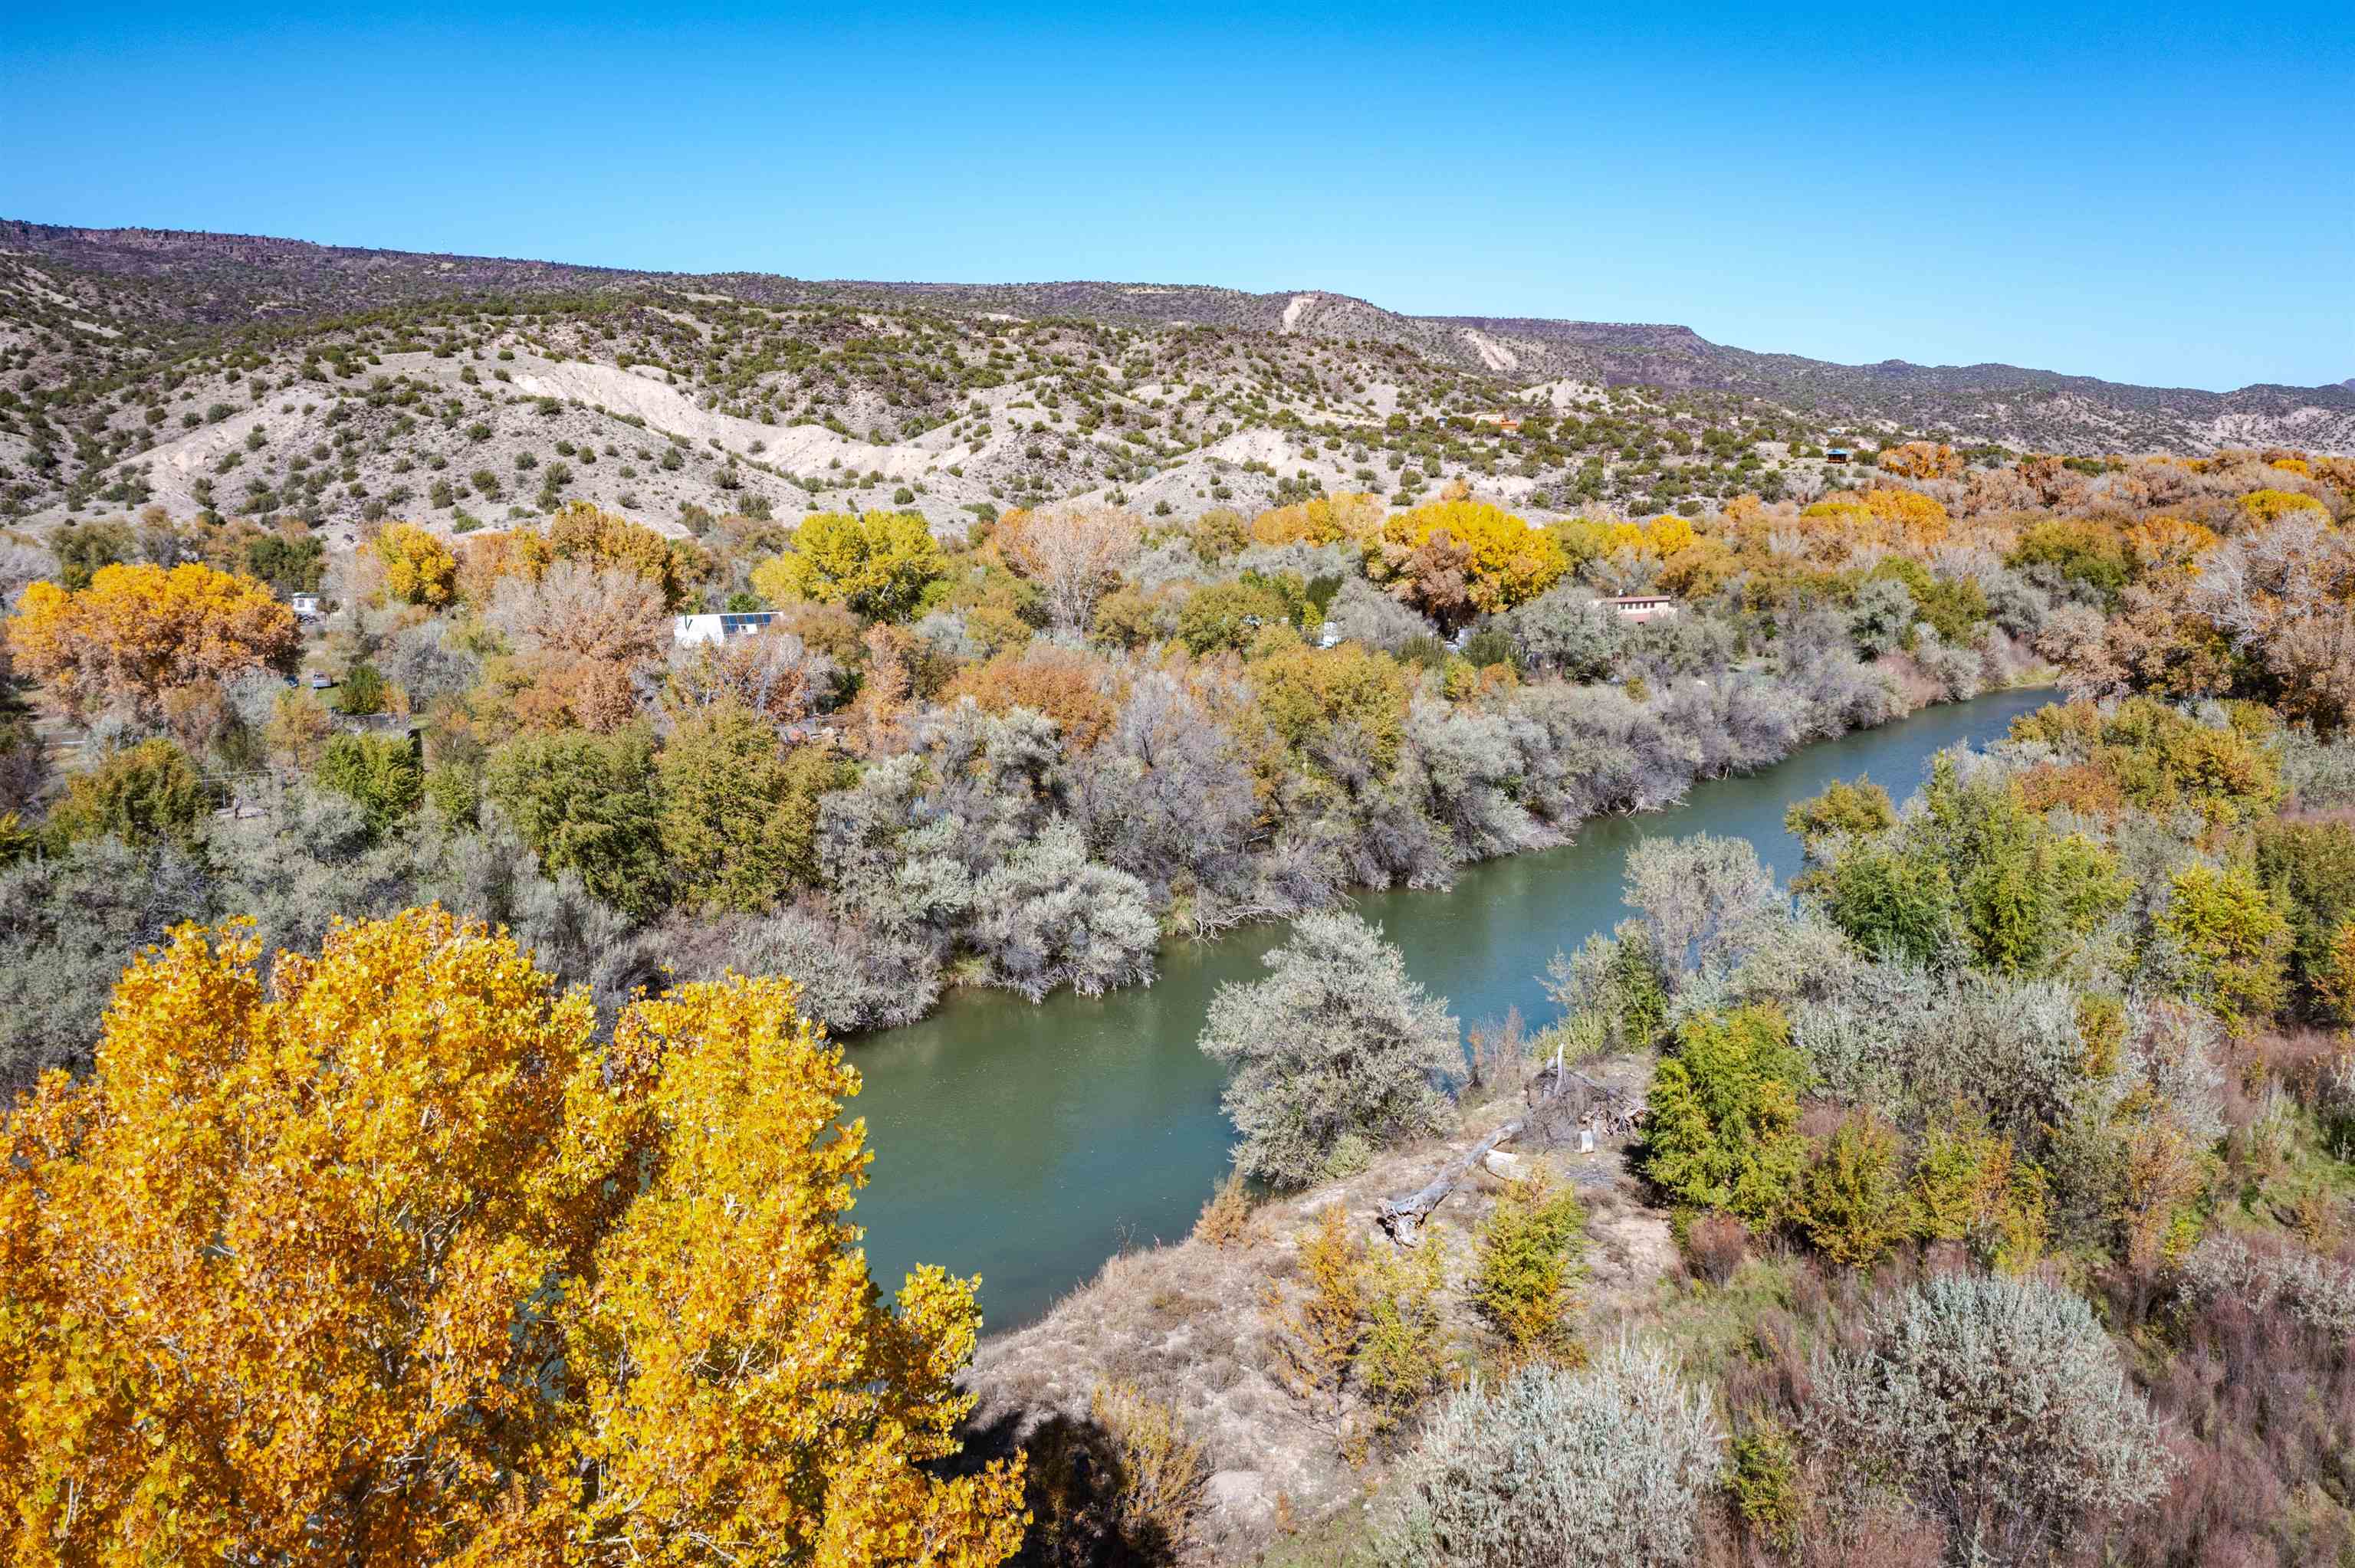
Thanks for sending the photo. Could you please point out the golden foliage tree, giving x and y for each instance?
(1311, 696)
(2271, 505)
(1457, 559)
(1922, 460)
(419, 569)
(139, 631)
(1886, 515)
(1323, 520)
(581, 531)
(875, 564)
(389, 1261)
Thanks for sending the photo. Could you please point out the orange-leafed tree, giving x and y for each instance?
(1922, 460)
(387, 1259)
(1063, 684)
(138, 632)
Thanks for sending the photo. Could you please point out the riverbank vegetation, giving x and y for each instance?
(1024, 758)
(1990, 1203)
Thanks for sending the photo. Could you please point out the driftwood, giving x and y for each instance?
(1402, 1217)
(1552, 1079)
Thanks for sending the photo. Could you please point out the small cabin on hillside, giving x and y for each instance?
(1639, 607)
(687, 629)
(1836, 454)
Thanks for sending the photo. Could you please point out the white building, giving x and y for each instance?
(691, 628)
(1638, 606)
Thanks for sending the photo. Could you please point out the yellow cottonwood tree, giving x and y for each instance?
(876, 563)
(136, 631)
(1456, 559)
(389, 1261)
(418, 567)
(1322, 520)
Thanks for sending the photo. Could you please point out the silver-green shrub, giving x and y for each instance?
(1600, 1468)
(1996, 1406)
(1335, 1041)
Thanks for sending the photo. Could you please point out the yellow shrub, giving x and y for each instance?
(2266, 505)
(1323, 521)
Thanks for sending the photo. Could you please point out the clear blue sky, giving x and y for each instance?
(2161, 193)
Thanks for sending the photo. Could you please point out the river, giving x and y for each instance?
(1027, 1143)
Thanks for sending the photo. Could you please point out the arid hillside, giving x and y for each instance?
(253, 376)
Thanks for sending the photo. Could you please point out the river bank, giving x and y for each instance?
(1028, 1142)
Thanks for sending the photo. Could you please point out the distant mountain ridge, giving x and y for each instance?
(206, 281)
(219, 278)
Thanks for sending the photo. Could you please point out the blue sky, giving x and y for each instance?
(2154, 193)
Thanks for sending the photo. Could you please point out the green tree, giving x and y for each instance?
(1723, 1123)
(82, 548)
(1524, 1276)
(2080, 553)
(456, 791)
(1889, 903)
(1852, 1200)
(588, 803)
(1228, 616)
(1313, 695)
(1976, 867)
(740, 811)
(381, 772)
(361, 691)
(290, 565)
(1854, 811)
(141, 795)
(2234, 940)
(2310, 868)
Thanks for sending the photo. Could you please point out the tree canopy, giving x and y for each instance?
(390, 1260)
(876, 563)
(137, 632)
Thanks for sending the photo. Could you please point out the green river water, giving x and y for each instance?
(1027, 1143)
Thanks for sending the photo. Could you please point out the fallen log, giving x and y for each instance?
(1401, 1218)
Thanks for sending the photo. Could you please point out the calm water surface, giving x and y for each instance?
(1027, 1143)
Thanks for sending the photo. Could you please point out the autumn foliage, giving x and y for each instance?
(419, 569)
(137, 632)
(1457, 559)
(1922, 460)
(1322, 520)
(877, 564)
(389, 1260)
